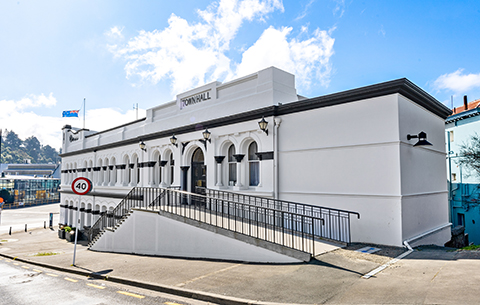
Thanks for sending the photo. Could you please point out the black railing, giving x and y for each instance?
(336, 225)
(109, 219)
(297, 226)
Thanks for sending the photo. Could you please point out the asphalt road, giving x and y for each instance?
(25, 284)
(34, 217)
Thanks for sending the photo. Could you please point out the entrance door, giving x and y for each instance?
(199, 171)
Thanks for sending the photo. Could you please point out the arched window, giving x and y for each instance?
(158, 171)
(138, 171)
(107, 172)
(232, 166)
(172, 168)
(253, 164)
(100, 172)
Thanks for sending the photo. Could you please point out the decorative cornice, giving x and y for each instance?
(238, 157)
(267, 155)
(401, 86)
(219, 159)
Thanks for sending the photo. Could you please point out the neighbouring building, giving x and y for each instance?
(22, 191)
(33, 170)
(350, 151)
(464, 184)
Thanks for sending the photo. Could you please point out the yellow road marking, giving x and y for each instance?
(51, 274)
(71, 280)
(16, 264)
(39, 271)
(171, 303)
(25, 267)
(96, 286)
(131, 294)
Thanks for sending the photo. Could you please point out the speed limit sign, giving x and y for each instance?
(81, 186)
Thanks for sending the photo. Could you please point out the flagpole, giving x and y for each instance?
(84, 113)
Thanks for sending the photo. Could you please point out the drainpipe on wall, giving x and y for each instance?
(276, 122)
(450, 184)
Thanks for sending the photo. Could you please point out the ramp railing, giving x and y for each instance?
(336, 226)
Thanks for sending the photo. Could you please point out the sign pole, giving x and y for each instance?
(76, 228)
(80, 186)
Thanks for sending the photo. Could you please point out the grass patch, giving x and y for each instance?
(45, 253)
(471, 247)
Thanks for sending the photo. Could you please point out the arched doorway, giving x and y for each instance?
(199, 170)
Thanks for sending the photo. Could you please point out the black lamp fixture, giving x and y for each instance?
(142, 145)
(173, 140)
(206, 138)
(206, 135)
(263, 125)
(422, 139)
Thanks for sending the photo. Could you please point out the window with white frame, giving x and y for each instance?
(232, 166)
(253, 165)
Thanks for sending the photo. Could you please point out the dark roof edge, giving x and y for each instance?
(402, 86)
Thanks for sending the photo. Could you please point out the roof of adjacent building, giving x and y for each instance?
(470, 106)
(462, 112)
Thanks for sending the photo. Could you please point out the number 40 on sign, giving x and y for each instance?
(81, 186)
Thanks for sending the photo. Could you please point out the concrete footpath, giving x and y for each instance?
(427, 276)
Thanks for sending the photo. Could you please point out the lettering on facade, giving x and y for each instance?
(72, 138)
(195, 99)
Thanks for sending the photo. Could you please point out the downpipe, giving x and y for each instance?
(406, 243)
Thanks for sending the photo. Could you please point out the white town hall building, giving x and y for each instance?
(350, 153)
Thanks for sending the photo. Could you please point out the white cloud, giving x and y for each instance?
(339, 8)
(305, 10)
(192, 54)
(115, 32)
(18, 116)
(308, 59)
(457, 81)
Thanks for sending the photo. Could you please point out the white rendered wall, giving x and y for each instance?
(423, 174)
(355, 157)
(151, 234)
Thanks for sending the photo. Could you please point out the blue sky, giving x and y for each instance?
(118, 53)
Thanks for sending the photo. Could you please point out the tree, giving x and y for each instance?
(12, 139)
(470, 154)
(49, 154)
(33, 148)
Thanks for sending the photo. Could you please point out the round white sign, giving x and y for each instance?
(81, 186)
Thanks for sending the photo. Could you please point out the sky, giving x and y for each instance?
(117, 54)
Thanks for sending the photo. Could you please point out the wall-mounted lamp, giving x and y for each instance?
(173, 140)
(206, 135)
(422, 139)
(263, 125)
(142, 146)
(206, 138)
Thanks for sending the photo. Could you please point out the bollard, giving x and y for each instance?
(10, 232)
(44, 224)
(25, 227)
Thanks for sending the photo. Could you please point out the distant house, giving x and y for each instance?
(464, 185)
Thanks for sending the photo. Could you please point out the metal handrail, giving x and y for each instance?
(279, 224)
(338, 221)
